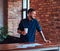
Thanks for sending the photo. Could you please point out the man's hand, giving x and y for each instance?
(47, 41)
(21, 32)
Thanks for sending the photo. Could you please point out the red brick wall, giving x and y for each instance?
(14, 15)
(48, 15)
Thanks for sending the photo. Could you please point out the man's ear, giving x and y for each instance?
(27, 14)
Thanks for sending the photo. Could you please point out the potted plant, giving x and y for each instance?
(3, 33)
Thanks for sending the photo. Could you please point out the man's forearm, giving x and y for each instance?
(21, 32)
(48, 41)
(18, 31)
(43, 36)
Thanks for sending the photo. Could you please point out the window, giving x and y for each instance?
(25, 7)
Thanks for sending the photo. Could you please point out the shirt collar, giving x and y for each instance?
(29, 20)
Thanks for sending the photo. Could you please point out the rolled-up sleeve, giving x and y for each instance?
(38, 27)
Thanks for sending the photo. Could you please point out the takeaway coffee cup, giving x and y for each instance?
(26, 30)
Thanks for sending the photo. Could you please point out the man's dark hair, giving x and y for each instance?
(30, 10)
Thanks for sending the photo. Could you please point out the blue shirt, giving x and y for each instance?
(32, 25)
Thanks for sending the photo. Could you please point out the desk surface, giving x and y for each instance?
(13, 46)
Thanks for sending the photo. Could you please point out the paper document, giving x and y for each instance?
(29, 45)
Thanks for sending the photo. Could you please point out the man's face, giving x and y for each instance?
(32, 14)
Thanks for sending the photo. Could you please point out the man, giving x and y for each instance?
(32, 25)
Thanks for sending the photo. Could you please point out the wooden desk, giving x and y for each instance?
(13, 47)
